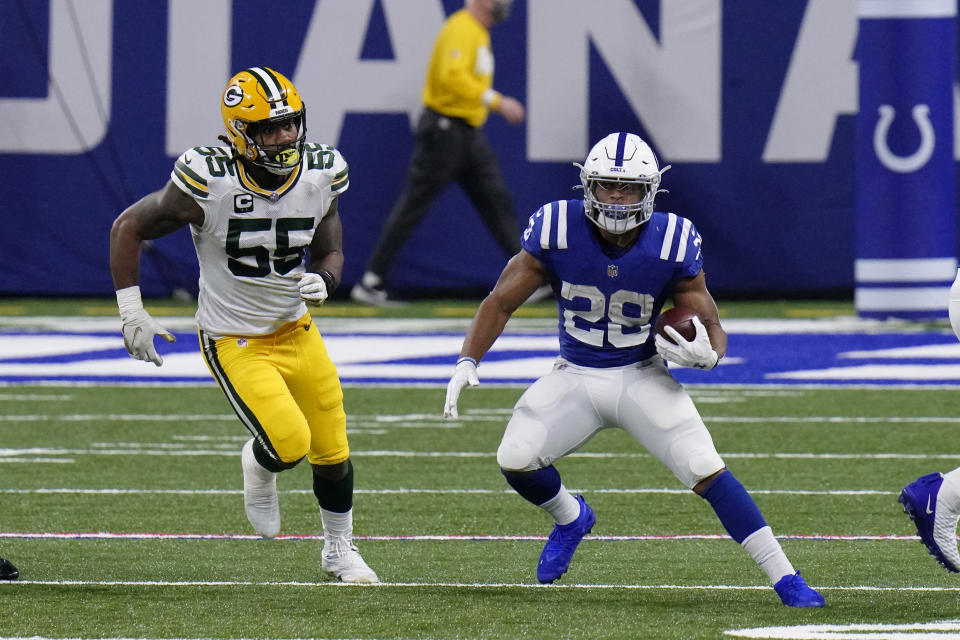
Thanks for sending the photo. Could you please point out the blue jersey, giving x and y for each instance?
(608, 300)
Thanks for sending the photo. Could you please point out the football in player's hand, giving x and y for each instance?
(681, 319)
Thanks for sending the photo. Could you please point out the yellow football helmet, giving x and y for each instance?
(258, 98)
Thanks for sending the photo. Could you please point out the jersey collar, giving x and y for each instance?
(269, 194)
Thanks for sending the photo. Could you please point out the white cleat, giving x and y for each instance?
(342, 560)
(259, 494)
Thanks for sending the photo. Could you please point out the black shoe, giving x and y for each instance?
(8, 571)
(376, 296)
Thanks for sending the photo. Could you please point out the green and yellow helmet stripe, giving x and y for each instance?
(273, 87)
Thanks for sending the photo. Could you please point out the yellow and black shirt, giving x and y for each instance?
(460, 77)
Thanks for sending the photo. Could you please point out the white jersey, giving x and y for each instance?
(252, 239)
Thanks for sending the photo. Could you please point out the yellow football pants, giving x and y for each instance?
(284, 388)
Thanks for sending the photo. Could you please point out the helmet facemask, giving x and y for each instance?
(622, 162)
(279, 159)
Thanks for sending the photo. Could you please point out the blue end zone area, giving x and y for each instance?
(408, 358)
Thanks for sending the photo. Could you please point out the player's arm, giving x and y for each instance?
(520, 278)
(153, 216)
(693, 294)
(710, 342)
(325, 267)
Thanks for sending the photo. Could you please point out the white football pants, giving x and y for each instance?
(561, 411)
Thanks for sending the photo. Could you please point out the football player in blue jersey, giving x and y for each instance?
(613, 262)
(933, 500)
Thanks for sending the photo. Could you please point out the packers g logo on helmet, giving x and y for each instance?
(258, 98)
(233, 95)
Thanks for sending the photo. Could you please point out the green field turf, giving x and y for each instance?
(456, 550)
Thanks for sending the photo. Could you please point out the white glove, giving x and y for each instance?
(464, 375)
(139, 327)
(313, 289)
(697, 353)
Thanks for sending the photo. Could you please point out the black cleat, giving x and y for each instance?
(8, 571)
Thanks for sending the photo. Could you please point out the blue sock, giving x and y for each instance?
(536, 486)
(737, 511)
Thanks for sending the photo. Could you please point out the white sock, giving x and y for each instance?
(766, 552)
(563, 507)
(371, 280)
(950, 490)
(336, 526)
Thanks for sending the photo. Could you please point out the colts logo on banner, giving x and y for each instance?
(613, 270)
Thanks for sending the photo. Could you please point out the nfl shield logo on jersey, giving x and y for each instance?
(613, 270)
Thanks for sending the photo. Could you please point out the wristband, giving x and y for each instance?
(129, 301)
(329, 280)
(466, 359)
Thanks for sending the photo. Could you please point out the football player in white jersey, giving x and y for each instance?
(933, 500)
(612, 262)
(263, 216)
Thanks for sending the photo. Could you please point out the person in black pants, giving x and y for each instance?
(451, 145)
(8, 571)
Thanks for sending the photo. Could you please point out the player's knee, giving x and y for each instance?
(292, 448)
(332, 472)
(693, 457)
(516, 455)
(704, 463)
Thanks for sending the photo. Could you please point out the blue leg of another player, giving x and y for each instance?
(544, 488)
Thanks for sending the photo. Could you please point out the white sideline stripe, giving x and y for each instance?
(230, 417)
(191, 492)
(169, 450)
(103, 535)
(454, 585)
(39, 397)
(382, 421)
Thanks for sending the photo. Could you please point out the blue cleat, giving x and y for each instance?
(557, 553)
(794, 592)
(936, 525)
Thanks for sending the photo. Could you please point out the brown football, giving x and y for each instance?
(681, 319)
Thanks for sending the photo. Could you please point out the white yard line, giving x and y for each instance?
(450, 585)
(105, 535)
(437, 421)
(159, 449)
(651, 490)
